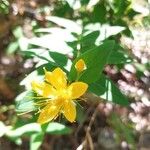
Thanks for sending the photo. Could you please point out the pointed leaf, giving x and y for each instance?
(107, 90)
(36, 141)
(24, 102)
(95, 60)
(56, 128)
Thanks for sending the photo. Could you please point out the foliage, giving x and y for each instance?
(4, 7)
(55, 53)
(86, 31)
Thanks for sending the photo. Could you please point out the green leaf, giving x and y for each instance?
(23, 43)
(47, 56)
(95, 60)
(30, 128)
(41, 54)
(99, 13)
(26, 129)
(12, 47)
(49, 42)
(88, 41)
(36, 141)
(90, 37)
(4, 7)
(66, 23)
(118, 56)
(56, 128)
(107, 90)
(3, 129)
(105, 30)
(84, 2)
(120, 7)
(58, 58)
(25, 102)
(18, 32)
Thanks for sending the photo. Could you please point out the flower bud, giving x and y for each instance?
(80, 65)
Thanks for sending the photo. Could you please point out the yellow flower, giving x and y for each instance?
(59, 96)
(80, 65)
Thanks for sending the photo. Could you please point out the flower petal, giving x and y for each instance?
(49, 91)
(69, 111)
(57, 78)
(38, 87)
(48, 113)
(77, 89)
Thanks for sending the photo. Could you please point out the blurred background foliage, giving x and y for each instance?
(34, 33)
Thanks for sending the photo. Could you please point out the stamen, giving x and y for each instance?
(41, 103)
(24, 112)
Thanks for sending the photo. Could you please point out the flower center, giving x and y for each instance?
(64, 94)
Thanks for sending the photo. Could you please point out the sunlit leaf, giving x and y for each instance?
(36, 141)
(24, 102)
(28, 128)
(105, 30)
(49, 41)
(12, 47)
(3, 129)
(18, 32)
(56, 128)
(66, 23)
